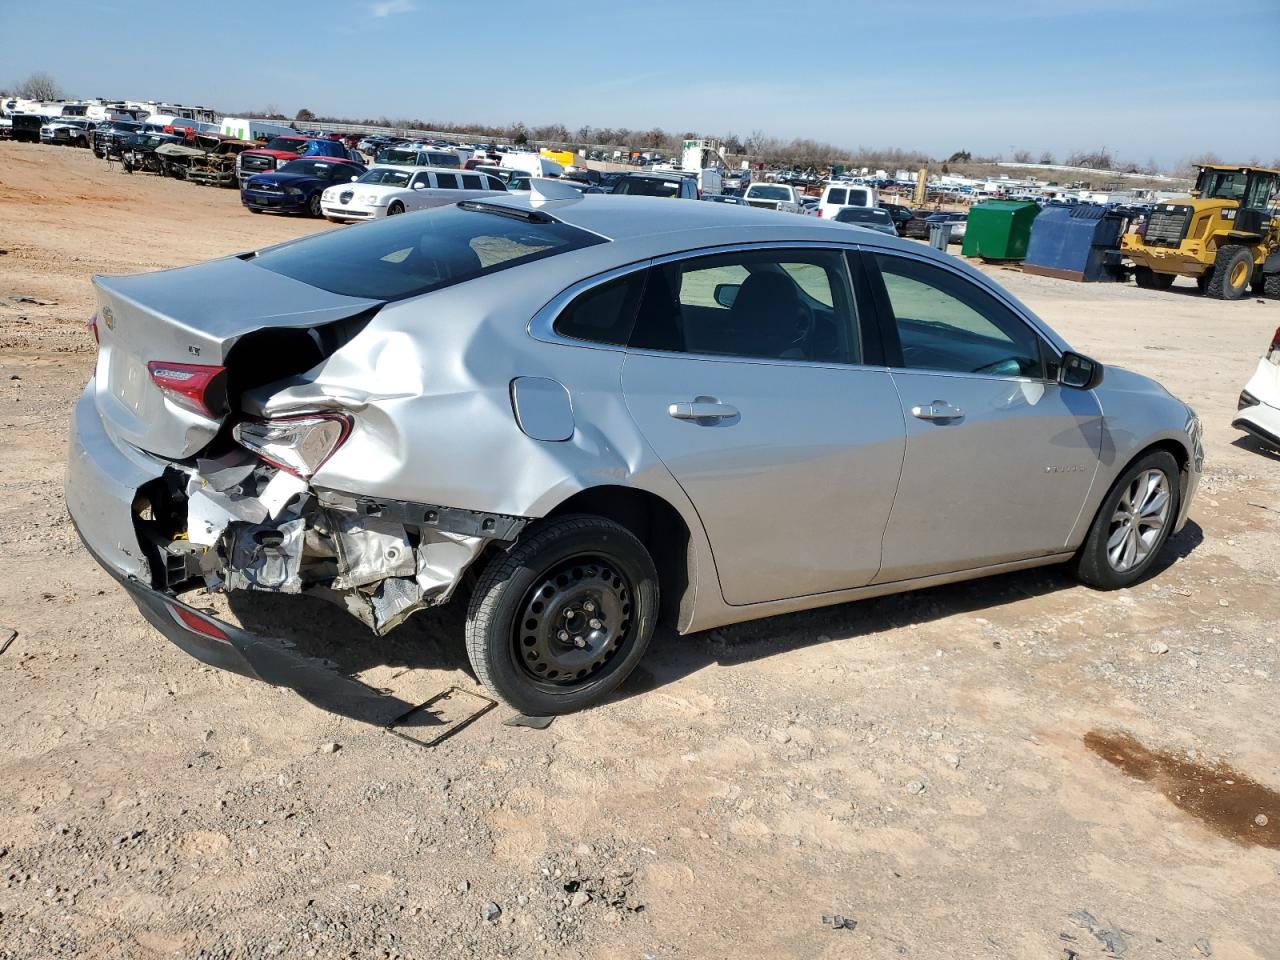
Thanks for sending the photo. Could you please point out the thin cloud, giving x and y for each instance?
(387, 8)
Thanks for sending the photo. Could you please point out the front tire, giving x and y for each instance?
(313, 205)
(395, 208)
(561, 618)
(1232, 271)
(1132, 524)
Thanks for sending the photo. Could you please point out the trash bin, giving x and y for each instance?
(1080, 243)
(999, 229)
(939, 235)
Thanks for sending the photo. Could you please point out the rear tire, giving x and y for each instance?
(561, 618)
(313, 205)
(395, 208)
(1144, 277)
(254, 210)
(1123, 542)
(1232, 271)
(1271, 285)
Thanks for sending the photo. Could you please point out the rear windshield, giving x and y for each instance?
(408, 255)
(285, 144)
(863, 215)
(648, 187)
(407, 157)
(756, 192)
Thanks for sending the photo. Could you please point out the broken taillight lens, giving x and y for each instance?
(197, 624)
(193, 386)
(299, 445)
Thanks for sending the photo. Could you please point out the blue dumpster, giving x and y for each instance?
(1080, 242)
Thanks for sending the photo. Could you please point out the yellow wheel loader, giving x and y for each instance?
(1227, 235)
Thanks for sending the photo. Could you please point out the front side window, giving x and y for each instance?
(773, 305)
(946, 322)
(421, 180)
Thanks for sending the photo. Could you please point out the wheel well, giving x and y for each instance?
(657, 525)
(1179, 454)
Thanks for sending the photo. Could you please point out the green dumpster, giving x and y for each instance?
(999, 229)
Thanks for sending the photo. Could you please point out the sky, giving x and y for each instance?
(1147, 79)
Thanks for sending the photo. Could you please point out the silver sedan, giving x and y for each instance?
(605, 412)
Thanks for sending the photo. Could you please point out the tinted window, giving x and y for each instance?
(779, 305)
(946, 322)
(836, 195)
(405, 256)
(604, 314)
(863, 215)
(447, 181)
(444, 160)
(493, 183)
(648, 187)
(471, 182)
(421, 180)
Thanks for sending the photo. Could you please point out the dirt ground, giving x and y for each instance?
(1012, 768)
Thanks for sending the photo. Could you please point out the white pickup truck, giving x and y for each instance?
(774, 196)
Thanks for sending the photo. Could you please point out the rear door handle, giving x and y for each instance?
(703, 408)
(938, 410)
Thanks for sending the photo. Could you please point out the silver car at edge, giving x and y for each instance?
(605, 412)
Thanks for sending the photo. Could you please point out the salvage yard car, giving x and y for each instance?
(1258, 410)
(280, 150)
(297, 186)
(597, 413)
(384, 191)
(774, 196)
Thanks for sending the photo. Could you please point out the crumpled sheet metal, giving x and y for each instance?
(370, 550)
(262, 557)
(441, 559)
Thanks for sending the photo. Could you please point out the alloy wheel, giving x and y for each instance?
(1139, 520)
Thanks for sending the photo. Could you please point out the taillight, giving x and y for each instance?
(197, 624)
(299, 444)
(1275, 340)
(193, 386)
(93, 328)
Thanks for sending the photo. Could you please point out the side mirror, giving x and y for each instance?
(354, 179)
(726, 293)
(419, 186)
(1078, 371)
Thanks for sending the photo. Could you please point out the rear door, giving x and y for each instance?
(999, 457)
(745, 374)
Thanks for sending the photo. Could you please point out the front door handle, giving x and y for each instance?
(938, 410)
(703, 408)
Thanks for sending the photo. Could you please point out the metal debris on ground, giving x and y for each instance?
(533, 723)
(448, 710)
(23, 298)
(7, 635)
(839, 923)
(1112, 940)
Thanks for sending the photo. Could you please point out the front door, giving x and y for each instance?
(743, 374)
(999, 457)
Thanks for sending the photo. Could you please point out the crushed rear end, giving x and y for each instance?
(179, 478)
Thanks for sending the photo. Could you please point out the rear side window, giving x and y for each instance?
(471, 182)
(402, 257)
(604, 314)
(773, 305)
(836, 195)
(493, 183)
(447, 181)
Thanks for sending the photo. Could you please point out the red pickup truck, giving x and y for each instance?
(280, 150)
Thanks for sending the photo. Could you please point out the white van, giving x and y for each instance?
(838, 195)
(533, 165)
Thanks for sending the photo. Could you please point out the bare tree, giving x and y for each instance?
(305, 116)
(1046, 157)
(39, 86)
(1022, 156)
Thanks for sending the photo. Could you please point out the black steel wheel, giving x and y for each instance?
(562, 617)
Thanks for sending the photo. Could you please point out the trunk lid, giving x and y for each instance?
(191, 315)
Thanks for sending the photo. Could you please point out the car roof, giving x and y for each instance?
(419, 167)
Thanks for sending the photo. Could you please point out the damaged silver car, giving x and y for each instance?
(598, 413)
